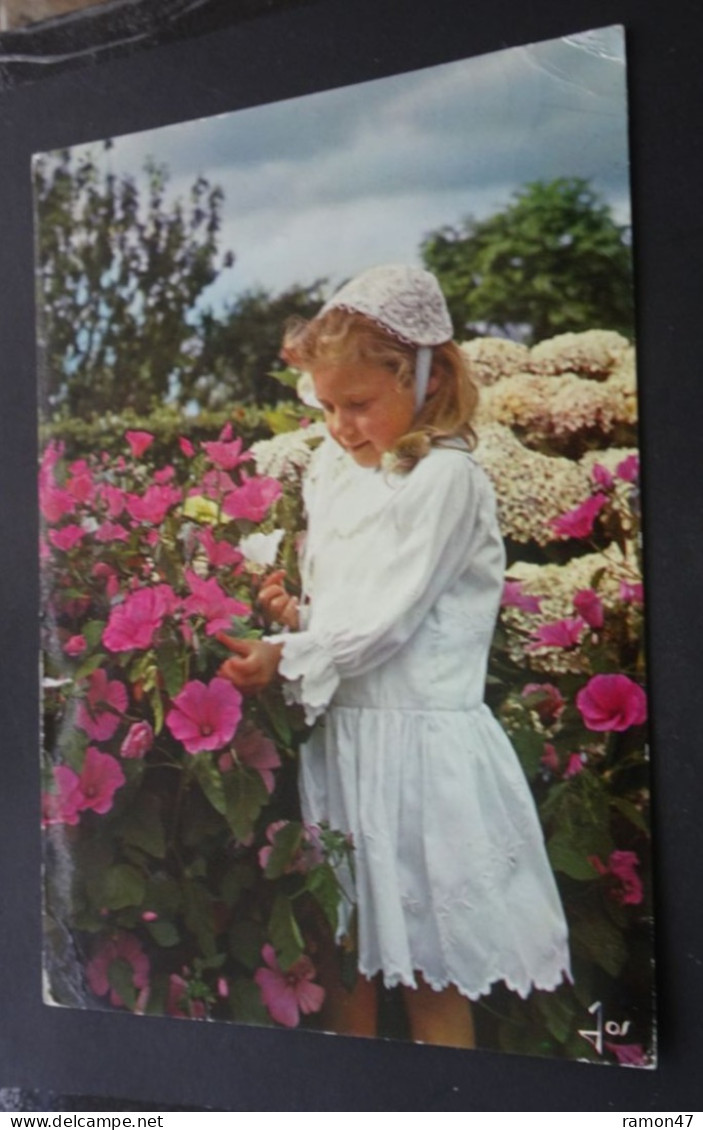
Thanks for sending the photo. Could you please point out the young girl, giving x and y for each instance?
(402, 577)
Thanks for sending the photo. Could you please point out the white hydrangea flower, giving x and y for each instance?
(492, 358)
(557, 585)
(593, 353)
(287, 455)
(531, 488)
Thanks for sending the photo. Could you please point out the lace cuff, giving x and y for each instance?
(309, 670)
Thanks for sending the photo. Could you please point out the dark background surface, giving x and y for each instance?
(219, 63)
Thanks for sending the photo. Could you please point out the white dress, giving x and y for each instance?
(403, 575)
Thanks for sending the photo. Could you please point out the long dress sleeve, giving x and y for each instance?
(375, 577)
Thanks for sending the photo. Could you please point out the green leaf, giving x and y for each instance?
(246, 940)
(73, 744)
(630, 813)
(199, 917)
(157, 707)
(238, 878)
(563, 858)
(558, 1011)
(286, 843)
(92, 632)
(529, 746)
(277, 713)
(88, 666)
(142, 826)
(322, 884)
(209, 778)
(246, 795)
(600, 940)
(164, 933)
(285, 933)
(246, 1003)
(168, 658)
(162, 895)
(120, 886)
(120, 975)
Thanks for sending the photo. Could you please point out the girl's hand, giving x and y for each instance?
(255, 665)
(277, 603)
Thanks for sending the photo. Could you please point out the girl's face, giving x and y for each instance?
(366, 409)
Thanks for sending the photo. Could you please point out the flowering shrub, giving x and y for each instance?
(195, 888)
(557, 437)
(169, 800)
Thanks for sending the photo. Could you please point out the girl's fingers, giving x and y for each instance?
(236, 672)
(241, 647)
(276, 578)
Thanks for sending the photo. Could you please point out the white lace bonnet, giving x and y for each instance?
(406, 301)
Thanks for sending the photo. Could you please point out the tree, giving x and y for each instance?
(242, 345)
(120, 273)
(553, 261)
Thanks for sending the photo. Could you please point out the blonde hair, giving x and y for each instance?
(346, 337)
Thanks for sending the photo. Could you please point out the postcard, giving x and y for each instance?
(343, 676)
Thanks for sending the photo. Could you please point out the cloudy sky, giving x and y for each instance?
(328, 184)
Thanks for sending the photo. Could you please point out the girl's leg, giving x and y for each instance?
(350, 1013)
(439, 1017)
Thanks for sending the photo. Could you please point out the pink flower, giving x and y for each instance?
(75, 646)
(602, 476)
(287, 994)
(55, 502)
(578, 523)
(628, 1055)
(550, 758)
(621, 866)
(120, 947)
(63, 805)
(100, 724)
(226, 456)
(211, 602)
(589, 607)
(253, 499)
(153, 505)
(178, 1002)
(631, 593)
(559, 633)
(219, 553)
(213, 484)
(149, 916)
(114, 499)
(134, 623)
(99, 780)
(513, 598)
(256, 751)
(308, 855)
(628, 469)
(551, 704)
(574, 765)
(109, 575)
(164, 475)
(111, 531)
(67, 537)
(186, 446)
(612, 702)
(222, 987)
(138, 742)
(205, 717)
(81, 484)
(138, 442)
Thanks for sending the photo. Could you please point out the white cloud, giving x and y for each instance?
(325, 184)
